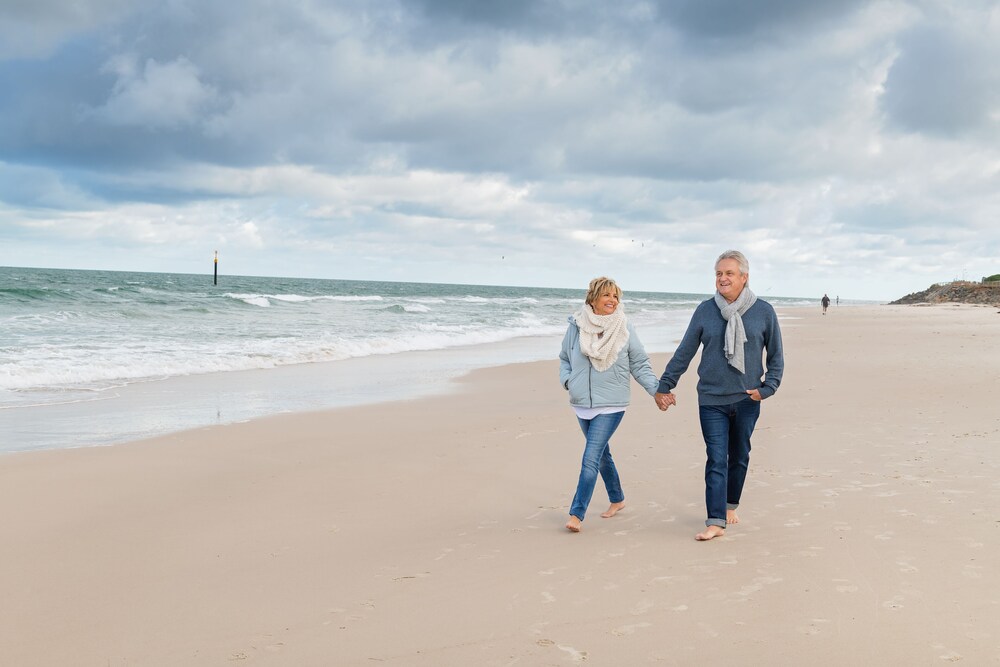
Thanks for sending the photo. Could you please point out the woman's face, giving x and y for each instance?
(605, 304)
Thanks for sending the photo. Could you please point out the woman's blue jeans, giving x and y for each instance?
(597, 459)
(727, 430)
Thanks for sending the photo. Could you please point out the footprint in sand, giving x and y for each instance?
(574, 655)
(758, 585)
(949, 655)
(814, 626)
(973, 571)
(894, 603)
(536, 629)
(708, 630)
(629, 629)
(640, 608)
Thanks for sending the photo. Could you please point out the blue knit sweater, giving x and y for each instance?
(718, 382)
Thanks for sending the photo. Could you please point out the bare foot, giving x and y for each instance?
(731, 517)
(613, 510)
(710, 533)
(573, 524)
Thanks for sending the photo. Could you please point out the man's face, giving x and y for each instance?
(728, 279)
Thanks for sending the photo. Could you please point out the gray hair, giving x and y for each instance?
(739, 257)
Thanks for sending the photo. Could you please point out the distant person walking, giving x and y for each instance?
(826, 303)
(733, 329)
(838, 299)
(600, 352)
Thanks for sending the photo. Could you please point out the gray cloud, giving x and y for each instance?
(723, 20)
(36, 28)
(943, 82)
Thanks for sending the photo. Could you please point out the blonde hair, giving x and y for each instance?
(599, 286)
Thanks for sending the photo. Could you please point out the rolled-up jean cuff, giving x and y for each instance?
(721, 523)
(732, 506)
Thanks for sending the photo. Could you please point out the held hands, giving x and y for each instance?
(664, 401)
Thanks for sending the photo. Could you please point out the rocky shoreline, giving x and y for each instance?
(956, 292)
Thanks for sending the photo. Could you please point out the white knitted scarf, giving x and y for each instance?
(602, 337)
(736, 335)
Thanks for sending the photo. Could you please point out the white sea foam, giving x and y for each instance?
(96, 335)
(70, 337)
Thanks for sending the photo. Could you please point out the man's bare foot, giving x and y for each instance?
(613, 510)
(731, 517)
(573, 524)
(710, 533)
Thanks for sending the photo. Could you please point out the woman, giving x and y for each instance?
(599, 353)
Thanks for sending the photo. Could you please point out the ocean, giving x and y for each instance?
(101, 357)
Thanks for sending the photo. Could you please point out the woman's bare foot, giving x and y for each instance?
(710, 533)
(613, 510)
(731, 517)
(573, 524)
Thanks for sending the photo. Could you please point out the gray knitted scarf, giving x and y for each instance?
(736, 335)
(602, 337)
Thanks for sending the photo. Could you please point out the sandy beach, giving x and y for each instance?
(429, 531)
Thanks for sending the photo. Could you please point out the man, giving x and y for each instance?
(734, 329)
(826, 303)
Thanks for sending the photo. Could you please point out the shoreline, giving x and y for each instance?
(160, 407)
(429, 531)
(151, 408)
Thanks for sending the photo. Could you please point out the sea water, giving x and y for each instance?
(99, 357)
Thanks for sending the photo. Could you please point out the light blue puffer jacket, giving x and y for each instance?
(590, 388)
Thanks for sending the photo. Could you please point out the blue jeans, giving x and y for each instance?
(597, 458)
(727, 430)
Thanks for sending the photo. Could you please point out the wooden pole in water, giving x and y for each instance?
(215, 278)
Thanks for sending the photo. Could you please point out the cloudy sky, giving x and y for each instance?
(846, 146)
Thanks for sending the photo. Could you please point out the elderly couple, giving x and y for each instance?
(601, 351)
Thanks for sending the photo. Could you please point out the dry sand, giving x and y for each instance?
(429, 532)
